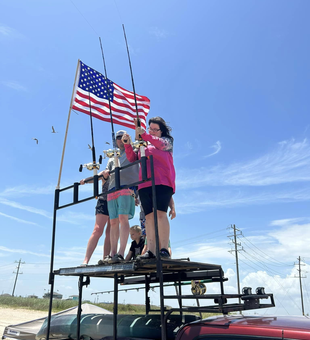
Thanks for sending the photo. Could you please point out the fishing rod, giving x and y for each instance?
(198, 287)
(142, 143)
(115, 149)
(94, 165)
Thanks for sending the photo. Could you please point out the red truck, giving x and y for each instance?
(247, 328)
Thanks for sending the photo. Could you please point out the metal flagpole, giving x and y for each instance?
(65, 140)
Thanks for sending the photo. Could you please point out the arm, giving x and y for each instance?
(144, 250)
(163, 143)
(105, 177)
(130, 154)
(172, 212)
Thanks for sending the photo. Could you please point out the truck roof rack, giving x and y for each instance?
(161, 271)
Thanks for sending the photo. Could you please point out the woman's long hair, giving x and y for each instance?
(165, 129)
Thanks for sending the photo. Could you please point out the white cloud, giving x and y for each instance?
(196, 201)
(25, 190)
(8, 32)
(15, 85)
(289, 162)
(159, 33)
(25, 207)
(18, 219)
(214, 253)
(217, 148)
(22, 251)
(287, 221)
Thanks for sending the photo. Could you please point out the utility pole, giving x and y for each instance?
(234, 241)
(301, 296)
(17, 273)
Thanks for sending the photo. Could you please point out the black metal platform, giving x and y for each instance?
(146, 272)
(199, 271)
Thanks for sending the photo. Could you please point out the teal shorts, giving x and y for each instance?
(123, 205)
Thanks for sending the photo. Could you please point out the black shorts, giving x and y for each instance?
(102, 207)
(163, 197)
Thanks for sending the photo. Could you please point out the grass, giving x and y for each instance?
(59, 305)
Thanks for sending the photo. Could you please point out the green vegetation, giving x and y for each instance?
(59, 305)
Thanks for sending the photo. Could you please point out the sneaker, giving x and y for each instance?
(164, 253)
(116, 259)
(147, 256)
(106, 259)
(83, 265)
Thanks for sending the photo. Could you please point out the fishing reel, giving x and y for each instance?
(90, 166)
(136, 144)
(110, 153)
(198, 288)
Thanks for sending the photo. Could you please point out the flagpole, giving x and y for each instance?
(65, 140)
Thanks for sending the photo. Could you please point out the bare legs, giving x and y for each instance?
(123, 220)
(107, 242)
(100, 223)
(163, 231)
(119, 230)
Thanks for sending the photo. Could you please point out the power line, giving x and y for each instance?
(268, 256)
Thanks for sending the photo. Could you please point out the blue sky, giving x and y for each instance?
(231, 78)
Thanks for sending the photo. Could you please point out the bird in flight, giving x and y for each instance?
(53, 130)
(35, 140)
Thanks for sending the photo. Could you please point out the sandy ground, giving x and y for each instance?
(10, 316)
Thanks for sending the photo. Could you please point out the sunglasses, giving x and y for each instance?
(119, 137)
(154, 130)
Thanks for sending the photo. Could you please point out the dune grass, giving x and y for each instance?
(59, 305)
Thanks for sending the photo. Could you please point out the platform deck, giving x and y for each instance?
(172, 269)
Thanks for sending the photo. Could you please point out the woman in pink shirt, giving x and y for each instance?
(160, 146)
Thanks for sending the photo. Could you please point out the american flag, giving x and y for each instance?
(93, 90)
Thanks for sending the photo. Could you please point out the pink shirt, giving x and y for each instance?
(161, 149)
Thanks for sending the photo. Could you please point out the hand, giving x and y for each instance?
(172, 213)
(82, 182)
(126, 139)
(139, 130)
